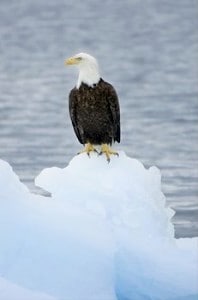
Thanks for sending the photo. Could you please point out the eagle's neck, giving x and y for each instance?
(88, 74)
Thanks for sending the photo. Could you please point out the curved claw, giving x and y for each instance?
(107, 151)
(88, 148)
(95, 151)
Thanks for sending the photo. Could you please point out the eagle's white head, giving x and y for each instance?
(88, 68)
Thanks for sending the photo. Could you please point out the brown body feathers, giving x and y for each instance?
(95, 113)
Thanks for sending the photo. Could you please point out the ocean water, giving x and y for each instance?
(147, 49)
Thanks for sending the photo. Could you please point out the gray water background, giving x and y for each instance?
(147, 49)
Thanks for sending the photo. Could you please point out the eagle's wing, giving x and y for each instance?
(72, 112)
(115, 112)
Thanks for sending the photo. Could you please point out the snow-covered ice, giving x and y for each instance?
(104, 234)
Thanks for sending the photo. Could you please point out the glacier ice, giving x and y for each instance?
(104, 234)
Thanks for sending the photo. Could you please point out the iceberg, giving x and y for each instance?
(105, 233)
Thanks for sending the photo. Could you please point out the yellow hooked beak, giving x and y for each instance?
(71, 61)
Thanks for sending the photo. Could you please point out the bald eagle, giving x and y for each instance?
(93, 107)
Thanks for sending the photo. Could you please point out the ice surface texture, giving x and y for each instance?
(104, 234)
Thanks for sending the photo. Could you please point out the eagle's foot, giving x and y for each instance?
(88, 148)
(105, 149)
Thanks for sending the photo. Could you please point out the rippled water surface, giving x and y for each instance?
(147, 49)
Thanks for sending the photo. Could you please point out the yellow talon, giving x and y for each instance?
(107, 151)
(88, 148)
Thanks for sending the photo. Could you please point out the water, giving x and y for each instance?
(147, 49)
